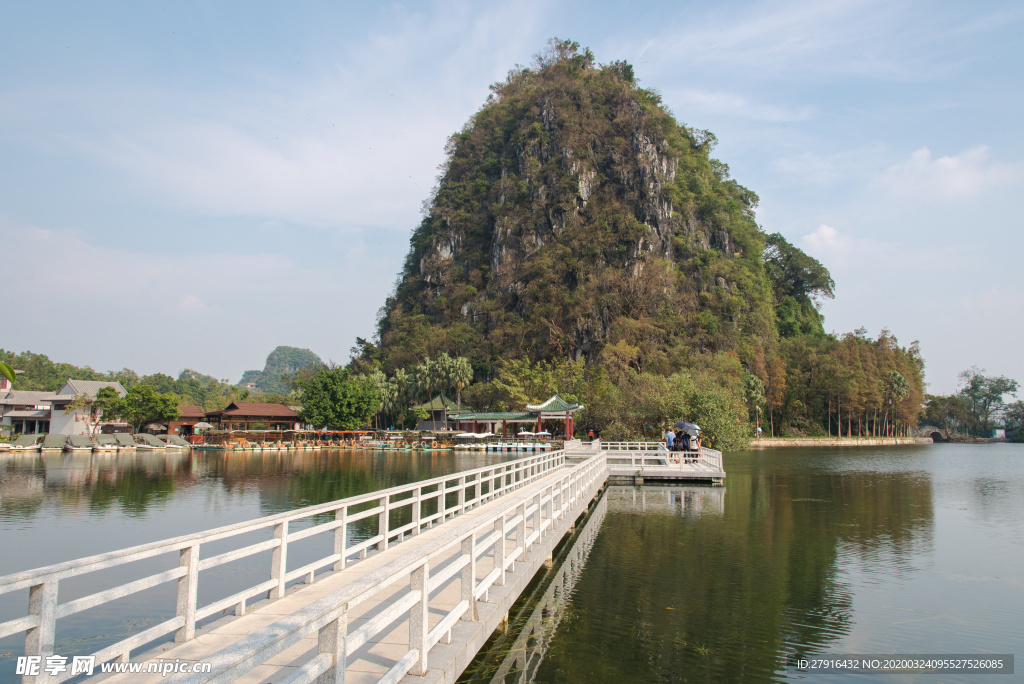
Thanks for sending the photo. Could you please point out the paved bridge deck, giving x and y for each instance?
(383, 651)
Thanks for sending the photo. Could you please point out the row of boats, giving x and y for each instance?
(54, 443)
(365, 440)
(279, 441)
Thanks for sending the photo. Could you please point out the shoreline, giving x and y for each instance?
(768, 442)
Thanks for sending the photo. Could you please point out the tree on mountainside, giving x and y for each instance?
(798, 279)
(754, 390)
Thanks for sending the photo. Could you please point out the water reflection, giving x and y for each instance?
(724, 584)
(539, 615)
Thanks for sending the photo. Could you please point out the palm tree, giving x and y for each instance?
(400, 381)
(445, 373)
(423, 381)
(461, 376)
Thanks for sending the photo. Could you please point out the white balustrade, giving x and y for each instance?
(469, 488)
(431, 567)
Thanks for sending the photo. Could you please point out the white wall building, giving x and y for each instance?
(77, 422)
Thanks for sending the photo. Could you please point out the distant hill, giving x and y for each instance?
(190, 374)
(280, 362)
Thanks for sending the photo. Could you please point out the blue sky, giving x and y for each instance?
(190, 184)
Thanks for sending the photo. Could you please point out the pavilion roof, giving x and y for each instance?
(554, 404)
(501, 415)
(186, 411)
(254, 409)
(438, 403)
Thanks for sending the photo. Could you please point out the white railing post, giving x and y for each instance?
(521, 531)
(418, 619)
(442, 495)
(462, 495)
(331, 639)
(383, 522)
(416, 506)
(188, 590)
(340, 536)
(499, 550)
(538, 516)
(469, 577)
(279, 559)
(42, 602)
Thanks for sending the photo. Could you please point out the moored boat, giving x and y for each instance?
(105, 443)
(26, 443)
(147, 442)
(174, 442)
(53, 444)
(78, 443)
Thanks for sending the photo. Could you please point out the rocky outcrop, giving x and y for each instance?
(562, 204)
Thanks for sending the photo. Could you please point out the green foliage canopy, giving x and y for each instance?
(334, 398)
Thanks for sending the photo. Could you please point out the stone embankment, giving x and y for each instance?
(765, 442)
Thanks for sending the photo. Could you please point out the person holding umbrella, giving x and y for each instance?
(689, 430)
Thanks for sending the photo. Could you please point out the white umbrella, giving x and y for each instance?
(202, 426)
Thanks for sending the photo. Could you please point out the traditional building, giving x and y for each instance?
(554, 415)
(242, 415)
(436, 409)
(187, 417)
(26, 411)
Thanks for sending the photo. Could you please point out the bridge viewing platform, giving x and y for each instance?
(399, 585)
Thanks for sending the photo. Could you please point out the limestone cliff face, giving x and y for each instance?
(574, 212)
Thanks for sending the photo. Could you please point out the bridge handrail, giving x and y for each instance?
(328, 616)
(44, 610)
(632, 446)
(640, 453)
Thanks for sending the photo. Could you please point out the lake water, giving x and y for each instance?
(870, 550)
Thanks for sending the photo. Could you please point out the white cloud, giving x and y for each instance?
(705, 102)
(828, 245)
(853, 37)
(164, 311)
(353, 141)
(962, 176)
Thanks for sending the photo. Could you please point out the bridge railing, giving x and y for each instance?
(454, 494)
(452, 557)
(645, 454)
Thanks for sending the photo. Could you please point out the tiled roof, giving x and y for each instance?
(91, 387)
(554, 404)
(26, 398)
(39, 413)
(507, 415)
(187, 412)
(438, 403)
(248, 408)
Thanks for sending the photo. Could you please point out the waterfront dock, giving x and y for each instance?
(640, 462)
(410, 584)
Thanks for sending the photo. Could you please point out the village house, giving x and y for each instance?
(79, 422)
(25, 411)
